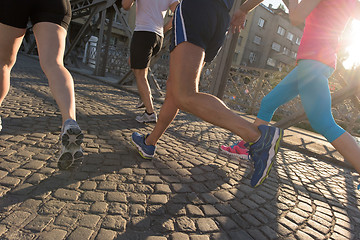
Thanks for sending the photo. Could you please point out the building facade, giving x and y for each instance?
(268, 40)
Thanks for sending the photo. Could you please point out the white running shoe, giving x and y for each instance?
(147, 118)
(0, 124)
(71, 139)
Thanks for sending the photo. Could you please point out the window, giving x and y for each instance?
(293, 54)
(257, 40)
(240, 40)
(236, 55)
(281, 31)
(252, 57)
(290, 36)
(261, 22)
(271, 62)
(298, 40)
(275, 46)
(286, 51)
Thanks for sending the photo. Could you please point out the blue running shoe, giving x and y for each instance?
(263, 152)
(146, 151)
(359, 187)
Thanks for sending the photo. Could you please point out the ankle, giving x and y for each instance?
(148, 112)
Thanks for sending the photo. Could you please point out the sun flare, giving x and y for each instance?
(353, 48)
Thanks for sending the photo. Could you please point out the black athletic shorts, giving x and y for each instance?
(143, 46)
(201, 22)
(16, 13)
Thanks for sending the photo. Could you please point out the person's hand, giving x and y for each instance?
(238, 21)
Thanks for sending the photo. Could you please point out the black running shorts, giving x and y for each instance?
(203, 23)
(143, 46)
(16, 13)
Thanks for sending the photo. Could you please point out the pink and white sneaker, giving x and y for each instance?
(238, 149)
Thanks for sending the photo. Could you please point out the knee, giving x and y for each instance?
(184, 102)
(47, 65)
(7, 62)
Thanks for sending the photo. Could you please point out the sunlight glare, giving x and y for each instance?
(353, 49)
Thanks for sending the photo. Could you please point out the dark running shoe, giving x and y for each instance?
(263, 152)
(146, 151)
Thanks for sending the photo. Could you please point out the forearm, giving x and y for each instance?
(299, 11)
(126, 4)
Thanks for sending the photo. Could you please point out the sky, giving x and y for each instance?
(275, 3)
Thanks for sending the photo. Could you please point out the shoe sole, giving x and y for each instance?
(145, 121)
(272, 159)
(68, 160)
(242, 156)
(71, 140)
(142, 154)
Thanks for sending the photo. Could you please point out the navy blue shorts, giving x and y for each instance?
(201, 22)
(16, 13)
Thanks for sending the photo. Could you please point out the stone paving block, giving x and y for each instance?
(65, 194)
(269, 232)
(84, 207)
(23, 189)
(179, 236)
(240, 234)
(194, 210)
(209, 198)
(219, 236)
(206, 225)
(106, 234)
(199, 237)
(93, 196)
(51, 207)
(16, 218)
(8, 166)
(89, 220)
(114, 222)
(54, 234)
(256, 234)
(225, 208)
(137, 210)
(210, 210)
(34, 164)
(3, 173)
(137, 198)
(10, 181)
(80, 233)
(317, 226)
(116, 197)
(185, 224)
(118, 208)
(156, 210)
(295, 218)
(158, 199)
(99, 207)
(302, 235)
(107, 186)
(65, 221)
(162, 188)
(39, 223)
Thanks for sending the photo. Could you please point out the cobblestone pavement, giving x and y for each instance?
(190, 190)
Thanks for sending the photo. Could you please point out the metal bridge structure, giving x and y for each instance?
(97, 18)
